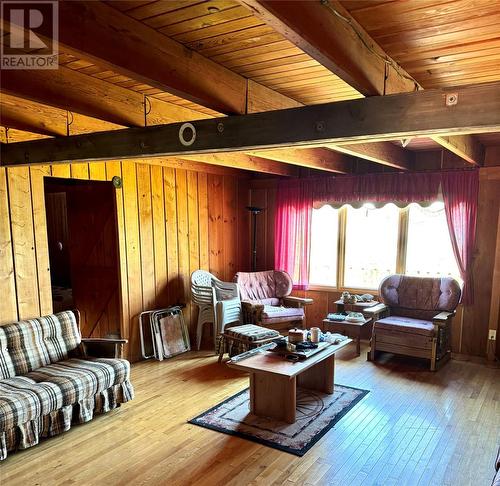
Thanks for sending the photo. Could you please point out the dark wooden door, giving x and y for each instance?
(93, 249)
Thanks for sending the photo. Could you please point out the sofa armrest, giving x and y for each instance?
(442, 319)
(297, 301)
(252, 311)
(103, 347)
(376, 309)
(443, 316)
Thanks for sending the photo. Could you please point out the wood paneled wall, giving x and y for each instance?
(470, 326)
(170, 222)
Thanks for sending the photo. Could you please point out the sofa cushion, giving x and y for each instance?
(78, 379)
(38, 342)
(271, 312)
(406, 324)
(6, 365)
(61, 335)
(256, 285)
(23, 400)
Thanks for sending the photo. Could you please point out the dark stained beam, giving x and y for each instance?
(262, 99)
(378, 117)
(80, 93)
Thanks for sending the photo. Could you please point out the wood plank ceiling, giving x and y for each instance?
(440, 43)
(227, 33)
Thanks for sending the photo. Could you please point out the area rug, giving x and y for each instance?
(317, 413)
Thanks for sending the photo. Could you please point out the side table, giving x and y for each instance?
(375, 312)
(351, 329)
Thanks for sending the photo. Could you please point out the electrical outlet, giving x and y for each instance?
(492, 335)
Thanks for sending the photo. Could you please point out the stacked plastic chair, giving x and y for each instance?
(227, 304)
(219, 302)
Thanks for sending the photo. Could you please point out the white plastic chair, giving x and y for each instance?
(227, 304)
(219, 302)
(202, 296)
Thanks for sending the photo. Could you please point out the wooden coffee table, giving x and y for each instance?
(274, 380)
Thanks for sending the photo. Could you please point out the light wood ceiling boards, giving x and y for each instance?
(440, 43)
(228, 33)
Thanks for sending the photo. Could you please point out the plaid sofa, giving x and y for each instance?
(47, 383)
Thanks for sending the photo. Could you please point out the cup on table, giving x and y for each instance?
(315, 334)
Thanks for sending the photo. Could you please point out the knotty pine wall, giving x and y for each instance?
(170, 222)
(470, 326)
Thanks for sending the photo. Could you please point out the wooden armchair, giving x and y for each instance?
(419, 324)
(266, 300)
(99, 347)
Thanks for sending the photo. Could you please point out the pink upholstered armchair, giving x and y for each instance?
(266, 300)
(419, 325)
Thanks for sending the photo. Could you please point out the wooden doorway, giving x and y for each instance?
(83, 250)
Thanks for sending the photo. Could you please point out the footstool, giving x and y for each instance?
(238, 339)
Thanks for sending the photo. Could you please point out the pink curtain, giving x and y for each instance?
(295, 200)
(294, 205)
(460, 194)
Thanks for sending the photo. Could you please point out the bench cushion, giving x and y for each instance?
(406, 324)
(28, 345)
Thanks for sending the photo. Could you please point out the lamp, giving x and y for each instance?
(254, 210)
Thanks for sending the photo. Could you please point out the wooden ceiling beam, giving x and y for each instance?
(319, 158)
(465, 146)
(99, 33)
(385, 153)
(396, 116)
(177, 163)
(328, 33)
(325, 30)
(13, 135)
(261, 98)
(240, 160)
(38, 118)
(68, 89)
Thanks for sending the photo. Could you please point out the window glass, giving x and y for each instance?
(429, 252)
(371, 245)
(324, 238)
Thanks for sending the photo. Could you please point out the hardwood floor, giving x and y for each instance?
(414, 427)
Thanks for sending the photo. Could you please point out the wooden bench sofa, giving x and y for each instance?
(49, 381)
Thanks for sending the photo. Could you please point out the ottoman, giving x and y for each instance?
(237, 340)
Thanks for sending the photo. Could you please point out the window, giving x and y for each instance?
(429, 252)
(324, 238)
(355, 248)
(371, 244)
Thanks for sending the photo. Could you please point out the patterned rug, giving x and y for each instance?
(317, 413)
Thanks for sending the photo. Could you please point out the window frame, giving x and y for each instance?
(402, 242)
